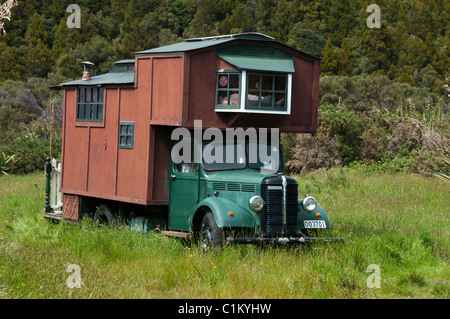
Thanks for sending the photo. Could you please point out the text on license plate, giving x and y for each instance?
(314, 224)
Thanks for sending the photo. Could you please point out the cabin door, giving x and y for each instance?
(184, 188)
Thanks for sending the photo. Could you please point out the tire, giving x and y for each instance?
(104, 215)
(211, 236)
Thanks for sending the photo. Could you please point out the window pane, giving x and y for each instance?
(267, 82)
(80, 114)
(234, 98)
(100, 112)
(129, 141)
(82, 92)
(100, 95)
(222, 98)
(234, 81)
(94, 111)
(88, 95)
(280, 99)
(253, 82)
(86, 111)
(266, 99)
(123, 129)
(123, 140)
(94, 95)
(130, 129)
(223, 81)
(252, 99)
(280, 83)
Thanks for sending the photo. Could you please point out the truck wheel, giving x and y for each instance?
(104, 215)
(211, 236)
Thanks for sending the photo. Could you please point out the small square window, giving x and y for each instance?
(228, 90)
(89, 104)
(126, 135)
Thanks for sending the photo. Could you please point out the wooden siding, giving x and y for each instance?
(168, 91)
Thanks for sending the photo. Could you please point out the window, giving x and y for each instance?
(252, 92)
(266, 91)
(227, 90)
(126, 134)
(184, 163)
(90, 104)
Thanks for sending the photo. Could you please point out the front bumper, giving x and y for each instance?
(282, 240)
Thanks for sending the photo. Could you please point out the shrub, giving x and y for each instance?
(314, 153)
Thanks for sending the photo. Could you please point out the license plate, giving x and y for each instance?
(314, 224)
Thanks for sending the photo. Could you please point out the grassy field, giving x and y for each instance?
(400, 223)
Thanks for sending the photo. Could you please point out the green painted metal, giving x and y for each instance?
(141, 224)
(304, 215)
(221, 206)
(257, 58)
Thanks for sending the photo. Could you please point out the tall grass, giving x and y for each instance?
(399, 222)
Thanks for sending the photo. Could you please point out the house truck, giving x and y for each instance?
(149, 142)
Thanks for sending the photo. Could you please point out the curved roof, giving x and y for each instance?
(200, 43)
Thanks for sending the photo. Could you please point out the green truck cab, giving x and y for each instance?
(239, 201)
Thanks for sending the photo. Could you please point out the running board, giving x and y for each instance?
(180, 234)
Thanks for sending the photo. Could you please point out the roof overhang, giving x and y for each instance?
(257, 58)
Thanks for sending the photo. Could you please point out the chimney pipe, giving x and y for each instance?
(87, 70)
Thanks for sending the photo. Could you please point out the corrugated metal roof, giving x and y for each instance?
(107, 78)
(111, 77)
(200, 43)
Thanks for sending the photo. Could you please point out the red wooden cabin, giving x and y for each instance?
(117, 126)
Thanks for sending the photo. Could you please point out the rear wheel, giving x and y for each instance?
(211, 236)
(104, 215)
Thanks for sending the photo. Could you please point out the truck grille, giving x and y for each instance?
(279, 216)
(233, 187)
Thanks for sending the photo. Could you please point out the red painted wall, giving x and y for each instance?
(169, 91)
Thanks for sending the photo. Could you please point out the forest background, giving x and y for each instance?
(384, 94)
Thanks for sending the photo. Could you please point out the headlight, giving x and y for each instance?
(256, 203)
(309, 203)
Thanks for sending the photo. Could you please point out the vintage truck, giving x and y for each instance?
(126, 135)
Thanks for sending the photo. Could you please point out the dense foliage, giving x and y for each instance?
(382, 90)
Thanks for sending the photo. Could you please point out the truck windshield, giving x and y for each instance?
(238, 156)
(263, 157)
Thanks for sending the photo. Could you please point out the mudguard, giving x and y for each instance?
(220, 207)
(304, 215)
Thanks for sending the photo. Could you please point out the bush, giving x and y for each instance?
(30, 150)
(312, 153)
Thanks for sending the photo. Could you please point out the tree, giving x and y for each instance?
(345, 59)
(329, 59)
(39, 59)
(9, 67)
(306, 39)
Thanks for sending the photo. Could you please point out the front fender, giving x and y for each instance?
(304, 215)
(220, 208)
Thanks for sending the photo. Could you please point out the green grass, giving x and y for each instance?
(399, 222)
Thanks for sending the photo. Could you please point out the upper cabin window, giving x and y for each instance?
(89, 104)
(227, 89)
(253, 92)
(259, 82)
(266, 91)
